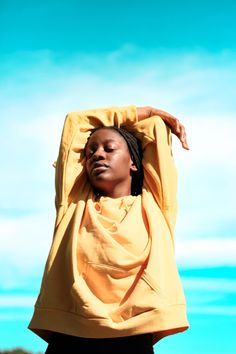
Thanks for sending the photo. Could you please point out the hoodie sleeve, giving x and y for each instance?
(160, 174)
(70, 178)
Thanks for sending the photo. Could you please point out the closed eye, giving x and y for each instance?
(90, 150)
(109, 148)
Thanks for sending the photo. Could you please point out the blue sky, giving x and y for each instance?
(180, 56)
(92, 26)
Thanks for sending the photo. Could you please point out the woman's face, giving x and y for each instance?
(108, 163)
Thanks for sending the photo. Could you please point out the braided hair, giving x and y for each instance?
(135, 150)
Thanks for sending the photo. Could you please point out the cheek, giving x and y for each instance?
(119, 159)
(124, 164)
(127, 160)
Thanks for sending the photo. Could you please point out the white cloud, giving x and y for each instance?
(17, 301)
(206, 253)
(207, 175)
(25, 243)
(38, 91)
(215, 285)
(204, 296)
(213, 310)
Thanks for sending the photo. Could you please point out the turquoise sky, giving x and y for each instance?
(180, 56)
(95, 26)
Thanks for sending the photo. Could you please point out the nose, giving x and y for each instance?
(99, 154)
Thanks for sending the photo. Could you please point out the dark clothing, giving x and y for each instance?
(62, 343)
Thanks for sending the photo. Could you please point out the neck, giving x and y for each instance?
(116, 192)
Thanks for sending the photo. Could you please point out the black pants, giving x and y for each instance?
(62, 343)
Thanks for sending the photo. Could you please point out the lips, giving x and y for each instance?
(98, 167)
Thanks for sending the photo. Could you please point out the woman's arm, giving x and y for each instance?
(174, 124)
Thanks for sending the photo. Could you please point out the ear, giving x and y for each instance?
(133, 168)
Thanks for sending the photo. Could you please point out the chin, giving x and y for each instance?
(100, 185)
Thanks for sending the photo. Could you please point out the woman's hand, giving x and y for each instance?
(173, 123)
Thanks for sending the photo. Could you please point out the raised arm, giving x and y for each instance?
(173, 123)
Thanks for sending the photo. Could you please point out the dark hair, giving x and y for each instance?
(135, 150)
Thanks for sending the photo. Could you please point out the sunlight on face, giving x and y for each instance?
(108, 163)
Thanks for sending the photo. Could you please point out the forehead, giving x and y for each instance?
(104, 135)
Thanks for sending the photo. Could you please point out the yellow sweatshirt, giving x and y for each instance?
(111, 269)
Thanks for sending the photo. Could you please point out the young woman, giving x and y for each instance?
(110, 282)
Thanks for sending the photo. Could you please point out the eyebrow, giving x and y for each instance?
(110, 140)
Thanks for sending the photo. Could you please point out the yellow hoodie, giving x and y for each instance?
(111, 269)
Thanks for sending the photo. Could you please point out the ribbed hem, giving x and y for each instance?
(161, 323)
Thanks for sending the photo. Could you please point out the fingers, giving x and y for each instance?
(179, 130)
(176, 127)
(183, 137)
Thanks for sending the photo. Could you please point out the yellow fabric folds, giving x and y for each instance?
(111, 269)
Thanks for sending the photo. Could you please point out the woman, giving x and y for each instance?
(110, 282)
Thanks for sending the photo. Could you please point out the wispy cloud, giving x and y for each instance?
(205, 253)
(204, 296)
(25, 243)
(213, 310)
(17, 301)
(38, 89)
(217, 285)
